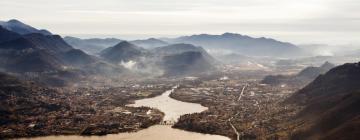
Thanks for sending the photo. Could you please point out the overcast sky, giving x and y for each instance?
(297, 21)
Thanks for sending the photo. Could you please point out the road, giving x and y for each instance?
(242, 93)
(234, 128)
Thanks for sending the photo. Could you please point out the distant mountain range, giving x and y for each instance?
(331, 105)
(227, 42)
(241, 44)
(53, 53)
(304, 77)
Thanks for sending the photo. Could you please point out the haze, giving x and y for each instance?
(306, 21)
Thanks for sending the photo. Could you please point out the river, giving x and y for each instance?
(172, 108)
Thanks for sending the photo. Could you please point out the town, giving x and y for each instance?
(238, 108)
(82, 111)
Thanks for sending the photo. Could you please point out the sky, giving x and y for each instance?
(296, 21)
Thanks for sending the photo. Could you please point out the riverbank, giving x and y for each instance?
(172, 110)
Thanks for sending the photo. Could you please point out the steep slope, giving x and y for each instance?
(21, 28)
(186, 63)
(241, 44)
(6, 35)
(31, 61)
(57, 47)
(92, 45)
(122, 52)
(51, 43)
(149, 43)
(331, 105)
(17, 44)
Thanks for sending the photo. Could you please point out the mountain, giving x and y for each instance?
(21, 28)
(302, 78)
(241, 44)
(331, 104)
(186, 63)
(58, 48)
(122, 52)
(70, 57)
(92, 45)
(149, 43)
(181, 48)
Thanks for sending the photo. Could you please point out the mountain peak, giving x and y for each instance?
(327, 65)
(14, 21)
(123, 51)
(124, 44)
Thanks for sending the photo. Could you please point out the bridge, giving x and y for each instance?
(167, 123)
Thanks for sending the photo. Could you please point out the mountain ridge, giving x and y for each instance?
(21, 28)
